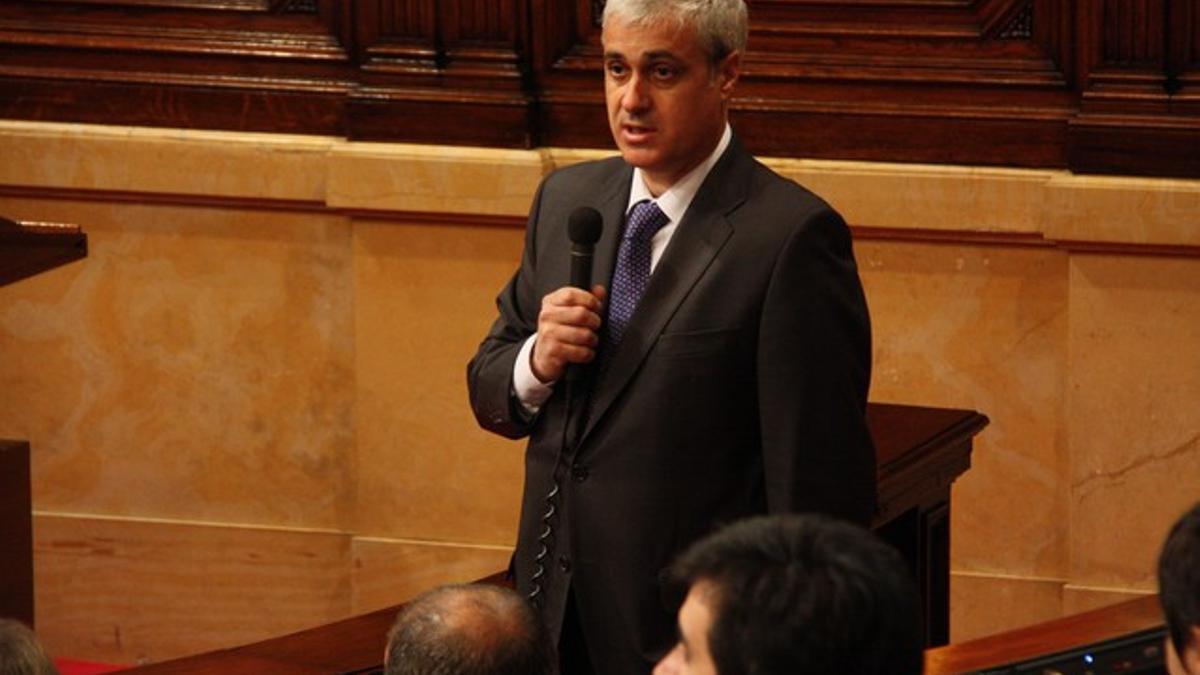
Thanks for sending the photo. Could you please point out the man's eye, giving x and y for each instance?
(663, 72)
(616, 69)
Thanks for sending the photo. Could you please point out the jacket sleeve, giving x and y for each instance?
(813, 371)
(490, 371)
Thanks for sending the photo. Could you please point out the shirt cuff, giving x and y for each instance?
(531, 392)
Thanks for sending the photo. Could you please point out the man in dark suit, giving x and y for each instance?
(725, 346)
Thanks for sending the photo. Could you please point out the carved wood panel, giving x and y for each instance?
(1138, 108)
(271, 66)
(873, 80)
(1095, 85)
(443, 69)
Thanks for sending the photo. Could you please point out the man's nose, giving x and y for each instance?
(635, 97)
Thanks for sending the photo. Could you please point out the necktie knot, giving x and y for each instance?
(645, 219)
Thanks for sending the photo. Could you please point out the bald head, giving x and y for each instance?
(472, 629)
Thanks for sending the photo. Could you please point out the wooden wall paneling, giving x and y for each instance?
(896, 83)
(1090, 85)
(557, 27)
(569, 75)
(881, 80)
(1183, 56)
(397, 37)
(451, 70)
(173, 63)
(1134, 117)
(1053, 27)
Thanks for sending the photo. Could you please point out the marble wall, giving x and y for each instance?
(248, 413)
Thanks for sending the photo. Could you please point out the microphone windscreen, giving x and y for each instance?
(584, 225)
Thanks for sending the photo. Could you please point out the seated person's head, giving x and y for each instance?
(795, 594)
(1179, 590)
(20, 651)
(474, 629)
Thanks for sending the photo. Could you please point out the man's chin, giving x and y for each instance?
(644, 158)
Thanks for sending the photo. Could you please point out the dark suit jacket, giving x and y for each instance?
(739, 388)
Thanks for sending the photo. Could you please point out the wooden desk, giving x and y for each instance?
(920, 453)
(16, 531)
(29, 248)
(25, 249)
(1046, 638)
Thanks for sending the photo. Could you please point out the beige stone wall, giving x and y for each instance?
(248, 412)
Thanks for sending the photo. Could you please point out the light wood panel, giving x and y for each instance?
(135, 591)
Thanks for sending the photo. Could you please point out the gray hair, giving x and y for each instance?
(722, 25)
(20, 651)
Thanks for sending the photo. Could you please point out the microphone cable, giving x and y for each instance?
(551, 500)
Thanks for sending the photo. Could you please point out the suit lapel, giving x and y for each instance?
(614, 197)
(693, 247)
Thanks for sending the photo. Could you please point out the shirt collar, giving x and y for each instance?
(676, 200)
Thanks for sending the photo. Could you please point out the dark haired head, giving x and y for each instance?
(1179, 579)
(805, 594)
(475, 629)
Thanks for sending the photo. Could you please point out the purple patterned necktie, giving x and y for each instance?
(632, 273)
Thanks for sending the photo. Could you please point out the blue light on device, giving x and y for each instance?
(1089, 659)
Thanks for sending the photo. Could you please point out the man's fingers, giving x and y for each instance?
(573, 336)
(573, 315)
(567, 326)
(557, 346)
(571, 296)
(559, 354)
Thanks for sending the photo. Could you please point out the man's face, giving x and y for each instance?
(690, 656)
(666, 102)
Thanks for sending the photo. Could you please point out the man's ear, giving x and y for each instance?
(728, 71)
(1191, 654)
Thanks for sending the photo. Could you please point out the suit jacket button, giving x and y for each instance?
(579, 472)
(564, 563)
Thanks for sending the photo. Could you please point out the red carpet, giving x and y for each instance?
(72, 667)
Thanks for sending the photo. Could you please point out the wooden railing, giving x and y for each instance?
(1050, 637)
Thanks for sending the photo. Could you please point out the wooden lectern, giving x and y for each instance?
(25, 250)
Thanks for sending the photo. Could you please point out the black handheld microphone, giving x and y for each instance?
(583, 227)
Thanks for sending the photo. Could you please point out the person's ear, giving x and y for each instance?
(728, 71)
(1191, 654)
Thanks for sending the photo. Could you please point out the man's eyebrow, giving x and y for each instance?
(656, 54)
(662, 54)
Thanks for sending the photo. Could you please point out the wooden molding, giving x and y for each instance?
(1094, 86)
